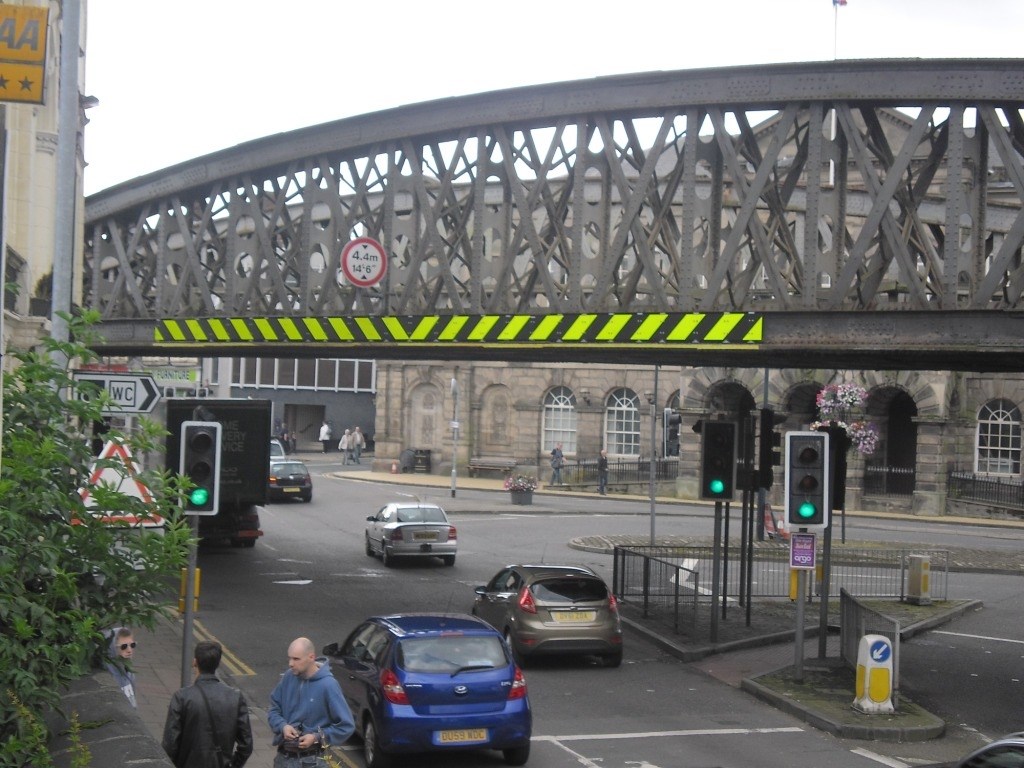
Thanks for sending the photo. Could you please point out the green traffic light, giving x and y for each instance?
(807, 510)
(198, 497)
(717, 486)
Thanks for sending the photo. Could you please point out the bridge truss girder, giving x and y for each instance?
(811, 193)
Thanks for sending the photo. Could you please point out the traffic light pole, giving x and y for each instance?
(190, 595)
(798, 657)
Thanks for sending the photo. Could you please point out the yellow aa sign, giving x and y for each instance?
(22, 52)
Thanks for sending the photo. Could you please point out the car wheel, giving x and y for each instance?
(613, 660)
(369, 548)
(385, 557)
(373, 754)
(448, 559)
(516, 755)
(517, 657)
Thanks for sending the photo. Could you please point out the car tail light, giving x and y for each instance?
(518, 690)
(392, 689)
(526, 603)
(396, 534)
(613, 604)
(451, 533)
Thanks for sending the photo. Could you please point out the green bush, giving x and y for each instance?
(65, 575)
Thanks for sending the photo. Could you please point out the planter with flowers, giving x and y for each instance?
(521, 488)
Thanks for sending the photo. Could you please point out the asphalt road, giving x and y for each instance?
(309, 575)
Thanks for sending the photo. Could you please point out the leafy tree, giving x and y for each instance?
(65, 574)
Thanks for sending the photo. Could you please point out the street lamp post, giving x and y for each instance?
(455, 429)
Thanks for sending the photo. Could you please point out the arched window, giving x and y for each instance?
(998, 446)
(559, 420)
(622, 423)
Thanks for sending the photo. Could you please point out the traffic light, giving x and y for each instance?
(718, 460)
(769, 445)
(807, 491)
(671, 420)
(200, 464)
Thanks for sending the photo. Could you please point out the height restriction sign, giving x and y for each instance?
(364, 262)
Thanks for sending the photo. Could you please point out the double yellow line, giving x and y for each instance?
(233, 664)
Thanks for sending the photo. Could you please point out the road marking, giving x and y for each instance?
(295, 582)
(978, 637)
(889, 761)
(650, 734)
(234, 664)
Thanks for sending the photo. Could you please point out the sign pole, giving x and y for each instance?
(798, 658)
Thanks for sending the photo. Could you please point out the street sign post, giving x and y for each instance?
(129, 392)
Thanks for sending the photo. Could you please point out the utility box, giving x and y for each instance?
(874, 675)
(919, 580)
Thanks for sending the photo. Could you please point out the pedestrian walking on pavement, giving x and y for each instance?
(557, 460)
(208, 721)
(308, 712)
(345, 446)
(602, 473)
(119, 660)
(325, 436)
(358, 443)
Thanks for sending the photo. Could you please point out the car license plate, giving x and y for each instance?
(573, 617)
(291, 489)
(461, 736)
(424, 536)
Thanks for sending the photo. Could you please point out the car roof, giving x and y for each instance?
(545, 570)
(431, 624)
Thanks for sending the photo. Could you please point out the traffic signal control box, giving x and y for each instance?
(718, 460)
(200, 464)
(807, 480)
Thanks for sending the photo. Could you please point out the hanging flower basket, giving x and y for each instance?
(836, 402)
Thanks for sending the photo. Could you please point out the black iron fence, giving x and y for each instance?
(880, 480)
(671, 583)
(998, 491)
(629, 471)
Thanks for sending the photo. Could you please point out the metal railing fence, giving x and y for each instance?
(999, 491)
(628, 471)
(881, 480)
(676, 581)
(857, 620)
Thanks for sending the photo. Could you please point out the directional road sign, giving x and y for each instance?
(129, 392)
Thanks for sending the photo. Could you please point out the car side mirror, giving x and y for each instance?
(481, 590)
(331, 650)
(371, 518)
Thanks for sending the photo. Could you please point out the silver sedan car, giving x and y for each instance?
(409, 529)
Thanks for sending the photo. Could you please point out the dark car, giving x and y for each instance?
(432, 683)
(552, 609)
(289, 479)
(1005, 752)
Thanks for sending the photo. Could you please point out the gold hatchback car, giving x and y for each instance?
(552, 609)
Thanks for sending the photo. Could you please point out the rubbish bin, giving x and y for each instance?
(421, 460)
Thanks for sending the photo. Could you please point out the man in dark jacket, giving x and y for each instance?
(207, 722)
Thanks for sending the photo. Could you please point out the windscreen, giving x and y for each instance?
(569, 590)
(451, 652)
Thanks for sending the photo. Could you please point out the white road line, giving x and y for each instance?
(587, 763)
(977, 637)
(889, 761)
(650, 734)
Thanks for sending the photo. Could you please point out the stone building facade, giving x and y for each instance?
(929, 422)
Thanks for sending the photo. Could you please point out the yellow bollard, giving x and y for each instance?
(794, 583)
(874, 675)
(184, 589)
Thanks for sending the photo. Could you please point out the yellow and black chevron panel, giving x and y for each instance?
(472, 330)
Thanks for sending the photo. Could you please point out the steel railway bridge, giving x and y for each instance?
(852, 214)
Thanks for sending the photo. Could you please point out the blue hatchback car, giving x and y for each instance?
(424, 682)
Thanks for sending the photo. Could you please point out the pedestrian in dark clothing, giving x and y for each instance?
(557, 460)
(602, 473)
(207, 722)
